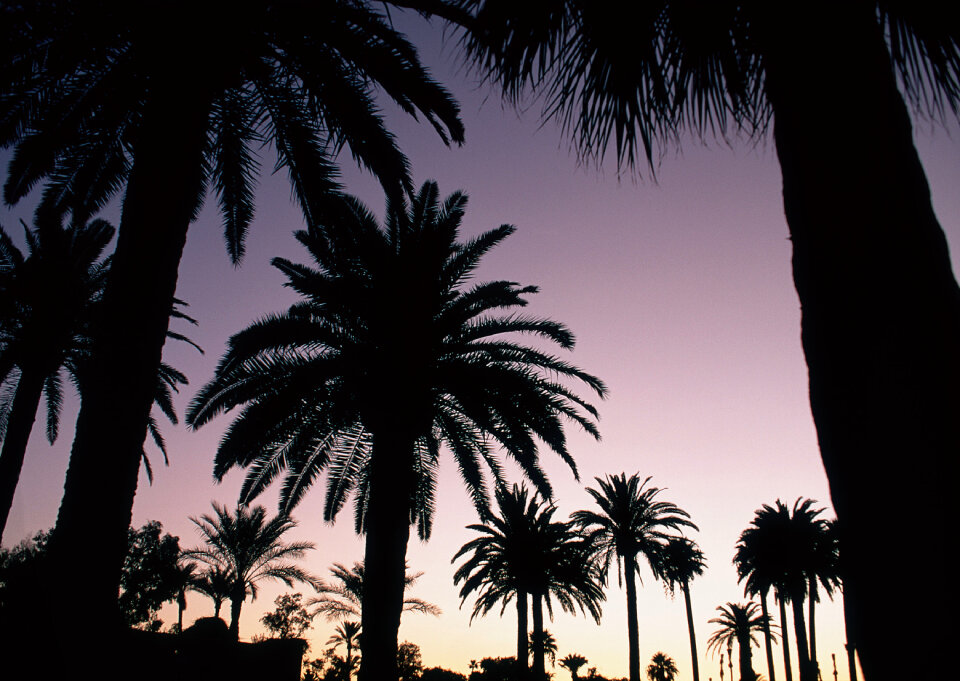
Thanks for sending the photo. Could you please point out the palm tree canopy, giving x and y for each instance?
(737, 623)
(661, 668)
(680, 560)
(677, 65)
(249, 547)
(630, 521)
(80, 80)
(344, 597)
(391, 337)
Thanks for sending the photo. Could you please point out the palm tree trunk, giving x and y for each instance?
(800, 629)
(746, 658)
(23, 413)
(236, 603)
(693, 638)
(785, 631)
(89, 540)
(523, 632)
(387, 525)
(880, 309)
(539, 669)
(811, 606)
(851, 644)
(633, 628)
(768, 647)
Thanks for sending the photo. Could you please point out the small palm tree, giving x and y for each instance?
(544, 645)
(630, 523)
(346, 633)
(738, 623)
(214, 582)
(661, 668)
(344, 598)
(572, 663)
(680, 561)
(393, 352)
(249, 548)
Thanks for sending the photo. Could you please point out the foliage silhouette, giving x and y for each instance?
(214, 582)
(870, 261)
(738, 622)
(409, 662)
(390, 355)
(661, 668)
(544, 645)
(630, 523)
(572, 663)
(347, 633)
(290, 619)
(249, 548)
(345, 597)
(680, 561)
(95, 102)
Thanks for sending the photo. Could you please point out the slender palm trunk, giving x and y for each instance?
(89, 539)
(23, 413)
(694, 660)
(811, 616)
(768, 647)
(800, 629)
(851, 644)
(181, 606)
(633, 628)
(217, 604)
(523, 631)
(880, 310)
(387, 527)
(785, 631)
(539, 669)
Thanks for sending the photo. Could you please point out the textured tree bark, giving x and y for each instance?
(23, 413)
(880, 317)
(633, 629)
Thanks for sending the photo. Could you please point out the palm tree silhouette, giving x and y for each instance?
(521, 553)
(662, 668)
(758, 560)
(630, 523)
(738, 622)
(346, 633)
(870, 261)
(345, 597)
(119, 109)
(249, 548)
(544, 645)
(214, 581)
(680, 561)
(390, 355)
(572, 663)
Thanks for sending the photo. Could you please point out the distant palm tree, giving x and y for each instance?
(544, 645)
(630, 523)
(248, 547)
(521, 553)
(680, 561)
(393, 352)
(661, 668)
(344, 598)
(758, 560)
(738, 622)
(186, 576)
(346, 633)
(214, 581)
(572, 663)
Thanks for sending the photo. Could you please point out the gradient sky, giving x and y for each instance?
(681, 298)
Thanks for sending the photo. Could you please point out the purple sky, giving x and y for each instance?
(681, 298)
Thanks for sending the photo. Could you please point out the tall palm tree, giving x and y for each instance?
(96, 100)
(758, 561)
(662, 668)
(345, 597)
(572, 663)
(521, 553)
(249, 547)
(870, 261)
(823, 573)
(631, 523)
(391, 353)
(738, 622)
(680, 561)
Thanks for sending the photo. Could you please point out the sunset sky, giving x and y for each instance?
(680, 294)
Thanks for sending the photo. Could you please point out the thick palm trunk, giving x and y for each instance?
(803, 650)
(539, 669)
(694, 660)
(812, 627)
(768, 647)
(89, 540)
(850, 646)
(880, 314)
(23, 413)
(785, 632)
(387, 534)
(523, 631)
(236, 604)
(746, 659)
(633, 628)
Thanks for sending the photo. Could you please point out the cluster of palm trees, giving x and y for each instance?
(523, 552)
(95, 102)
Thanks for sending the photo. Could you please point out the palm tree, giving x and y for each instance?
(758, 560)
(572, 663)
(186, 576)
(249, 547)
(214, 582)
(738, 622)
(390, 355)
(870, 261)
(680, 561)
(521, 553)
(544, 645)
(661, 668)
(348, 634)
(631, 523)
(344, 598)
(95, 101)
